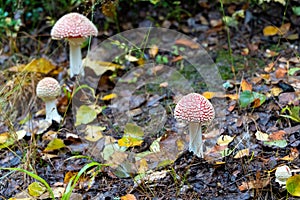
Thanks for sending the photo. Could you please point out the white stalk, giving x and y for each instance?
(196, 144)
(51, 112)
(75, 60)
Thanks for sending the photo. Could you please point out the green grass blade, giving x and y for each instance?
(35, 176)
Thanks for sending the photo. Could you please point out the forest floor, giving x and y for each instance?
(126, 142)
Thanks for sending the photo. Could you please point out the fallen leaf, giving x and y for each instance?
(293, 185)
(100, 67)
(246, 85)
(224, 140)
(280, 73)
(40, 65)
(131, 58)
(153, 51)
(36, 189)
(4, 137)
(242, 153)
(270, 67)
(277, 135)
(143, 166)
(55, 144)
(128, 141)
(128, 197)
(278, 143)
(93, 133)
(284, 28)
(86, 114)
(294, 154)
(109, 97)
(261, 136)
(275, 91)
(270, 30)
(188, 43)
(255, 184)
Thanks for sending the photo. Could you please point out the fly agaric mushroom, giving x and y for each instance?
(48, 89)
(197, 110)
(75, 28)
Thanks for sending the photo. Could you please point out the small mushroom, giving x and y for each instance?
(48, 89)
(197, 111)
(75, 28)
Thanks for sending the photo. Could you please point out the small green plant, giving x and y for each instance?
(292, 113)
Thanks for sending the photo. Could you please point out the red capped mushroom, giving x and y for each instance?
(75, 28)
(48, 89)
(197, 111)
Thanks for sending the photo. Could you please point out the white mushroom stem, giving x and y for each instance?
(195, 144)
(76, 67)
(75, 60)
(51, 112)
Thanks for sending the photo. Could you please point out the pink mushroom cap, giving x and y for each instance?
(73, 25)
(194, 108)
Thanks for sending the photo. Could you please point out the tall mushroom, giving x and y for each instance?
(48, 89)
(75, 28)
(197, 111)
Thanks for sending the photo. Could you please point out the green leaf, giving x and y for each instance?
(133, 130)
(36, 189)
(55, 144)
(296, 10)
(293, 113)
(293, 185)
(278, 143)
(133, 136)
(292, 71)
(247, 97)
(86, 114)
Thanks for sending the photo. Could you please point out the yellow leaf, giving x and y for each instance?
(4, 137)
(36, 189)
(128, 141)
(208, 95)
(261, 136)
(100, 67)
(242, 153)
(293, 185)
(109, 97)
(55, 144)
(224, 140)
(69, 175)
(143, 166)
(246, 85)
(232, 96)
(270, 30)
(93, 133)
(153, 51)
(40, 65)
(128, 197)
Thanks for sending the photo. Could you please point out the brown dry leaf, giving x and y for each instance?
(164, 85)
(100, 67)
(284, 28)
(246, 85)
(269, 53)
(292, 156)
(277, 135)
(255, 184)
(188, 43)
(270, 67)
(280, 73)
(270, 30)
(242, 153)
(128, 197)
(153, 51)
(256, 103)
(177, 58)
(68, 176)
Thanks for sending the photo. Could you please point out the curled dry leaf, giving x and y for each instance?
(188, 43)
